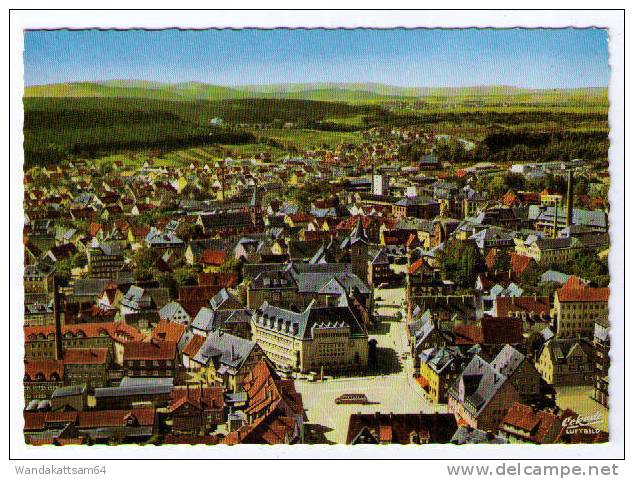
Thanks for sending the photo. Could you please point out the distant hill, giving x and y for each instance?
(343, 92)
(135, 89)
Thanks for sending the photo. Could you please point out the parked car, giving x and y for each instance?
(352, 398)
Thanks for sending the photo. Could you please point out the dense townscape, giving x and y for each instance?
(400, 289)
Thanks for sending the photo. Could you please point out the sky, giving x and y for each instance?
(539, 58)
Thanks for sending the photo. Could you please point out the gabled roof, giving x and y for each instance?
(532, 425)
(266, 391)
(205, 398)
(171, 310)
(301, 325)
(46, 367)
(86, 356)
(231, 350)
(150, 350)
(117, 330)
(508, 360)
(166, 330)
(441, 358)
(575, 290)
(505, 305)
(470, 435)
(391, 428)
(194, 345)
(477, 385)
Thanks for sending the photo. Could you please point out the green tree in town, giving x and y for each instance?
(461, 261)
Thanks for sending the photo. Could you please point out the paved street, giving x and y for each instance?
(579, 399)
(393, 392)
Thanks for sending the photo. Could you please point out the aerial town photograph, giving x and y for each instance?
(317, 237)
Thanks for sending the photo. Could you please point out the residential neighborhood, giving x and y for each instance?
(243, 300)
(306, 236)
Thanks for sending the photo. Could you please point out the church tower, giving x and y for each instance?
(359, 251)
(256, 210)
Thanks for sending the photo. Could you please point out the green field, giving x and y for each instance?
(123, 117)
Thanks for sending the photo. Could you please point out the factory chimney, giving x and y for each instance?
(556, 220)
(569, 199)
(57, 316)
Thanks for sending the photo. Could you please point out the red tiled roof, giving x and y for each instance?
(191, 440)
(301, 218)
(194, 345)
(506, 306)
(265, 430)
(140, 232)
(416, 265)
(46, 367)
(490, 331)
(422, 382)
(92, 419)
(60, 416)
(117, 330)
(489, 259)
(201, 397)
(502, 330)
(168, 331)
(86, 355)
(34, 421)
(350, 222)
(213, 257)
(266, 391)
(192, 298)
(396, 237)
(576, 291)
(385, 433)
(536, 423)
(411, 240)
(94, 228)
(150, 350)
(221, 280)
(467, 334)
(519, 262)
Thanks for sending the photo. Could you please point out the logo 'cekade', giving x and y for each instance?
(582, 424)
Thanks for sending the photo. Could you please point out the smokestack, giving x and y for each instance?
(554, 232)
(569, 199)
(57, 316)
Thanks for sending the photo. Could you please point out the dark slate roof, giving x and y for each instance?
(137, 386)
(416, 201)
(231, 350)
(560, 348)
(69, 391)
(304, 249)
(89, 286)
(308, 278)
(407, 223)
(597, 219)
(300, 325)
(439, 359)
(508, 360)
(469, 435)
(358, 233)
(209, 320)
(480, 381)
